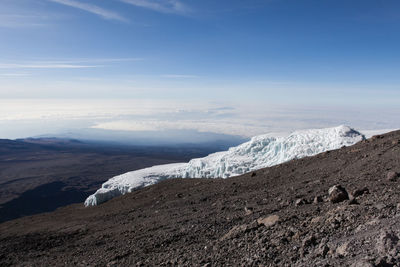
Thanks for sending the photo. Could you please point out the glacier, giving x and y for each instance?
(260, 152)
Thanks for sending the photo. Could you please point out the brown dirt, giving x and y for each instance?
(265, 218)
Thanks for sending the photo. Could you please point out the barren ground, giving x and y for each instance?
(265, 218)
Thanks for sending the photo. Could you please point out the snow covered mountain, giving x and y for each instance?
(260, 152)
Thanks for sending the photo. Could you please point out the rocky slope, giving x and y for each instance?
(287, 215)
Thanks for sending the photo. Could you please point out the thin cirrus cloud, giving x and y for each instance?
(66, 64)
(106, 60)
(163, 6)
(21, 20)
(45, 66)
(104, 13)
(178, 76)
(15, 74)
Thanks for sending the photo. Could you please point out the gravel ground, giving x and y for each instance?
(288, 215)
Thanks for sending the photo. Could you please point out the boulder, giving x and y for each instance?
(337, 194)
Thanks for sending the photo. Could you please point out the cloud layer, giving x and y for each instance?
(94, 9)
(163, 6)
(162, 115)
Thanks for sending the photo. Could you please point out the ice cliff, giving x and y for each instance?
(260, 152)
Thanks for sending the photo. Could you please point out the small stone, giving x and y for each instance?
(342, 250)
(360, 192)
(114, 263)
(239, 229)
(379, 206)
(300, 201)
(384, 261)
(388, 243)
(379, 136)
(337, 194)
(309, 241)
(362, 263)
(268, 221)
(233, 232)
(392, 176)
(251, 226)
(248, 210)
(318, 199)
(353, 201)
(296, 236)
(322, 250)
(316, 219)
(374, 221)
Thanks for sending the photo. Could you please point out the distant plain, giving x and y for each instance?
(40, 175)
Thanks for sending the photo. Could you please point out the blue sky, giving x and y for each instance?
(337, 56)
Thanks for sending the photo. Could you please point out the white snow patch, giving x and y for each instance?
(260, 152)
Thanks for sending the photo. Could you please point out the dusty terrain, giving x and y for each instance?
(279, 216)
(38, 175)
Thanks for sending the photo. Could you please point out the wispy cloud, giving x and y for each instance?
(97, 60)
(163, 6)
(104, 13)
(65, 64)
(178, 76)
(45, 66)
(15, 74)
(21, 20)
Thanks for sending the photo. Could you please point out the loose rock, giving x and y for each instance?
(362, 263)
(268, 221)
(300, 201)
(360, 192)
(388, 243)
(234, 232)
(248, 210)
(342, 250)
(392, 176)
(337, 194)
(322, 250)
(309, 241)
(318, 199)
